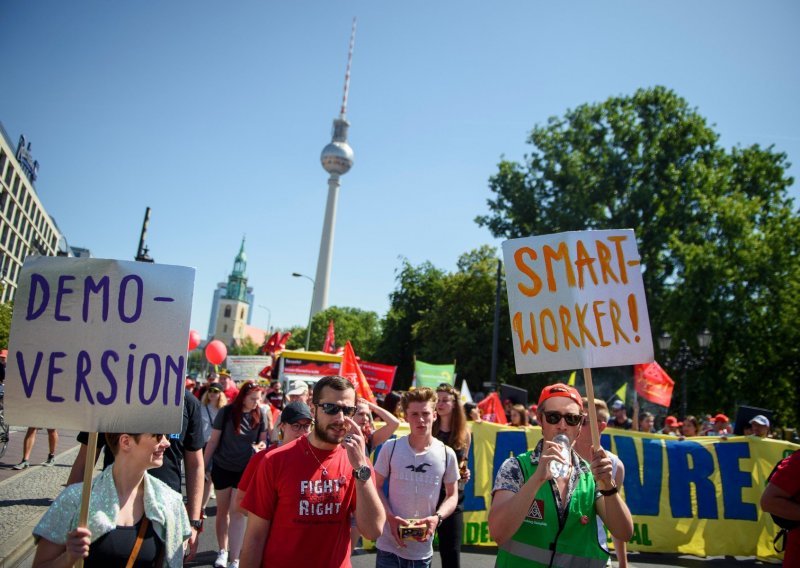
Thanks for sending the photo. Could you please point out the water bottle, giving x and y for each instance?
(558, 469)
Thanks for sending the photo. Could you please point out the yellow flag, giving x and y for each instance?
(571, 381)
(622, 392)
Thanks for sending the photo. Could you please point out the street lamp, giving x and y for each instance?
(685, 360)
(311, 310)
(269, 317)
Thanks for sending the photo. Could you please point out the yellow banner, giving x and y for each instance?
(697, 496)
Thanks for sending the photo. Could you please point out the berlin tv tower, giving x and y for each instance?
(337, 159)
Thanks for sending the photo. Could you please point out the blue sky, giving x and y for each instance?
(214, 115)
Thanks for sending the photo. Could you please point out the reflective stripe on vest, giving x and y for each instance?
(542, 556)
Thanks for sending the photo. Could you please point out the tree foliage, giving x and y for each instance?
(362, 328)
(717, 234)
(6, 310)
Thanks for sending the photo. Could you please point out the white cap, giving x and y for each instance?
(298, 387)
(760, 419)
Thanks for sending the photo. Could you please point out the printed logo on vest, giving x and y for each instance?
(537, 510)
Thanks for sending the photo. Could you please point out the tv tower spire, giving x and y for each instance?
(337, 159)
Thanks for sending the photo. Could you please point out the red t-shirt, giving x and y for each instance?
(309, 513)
(252, 467)
(787, 477)
(231, 393)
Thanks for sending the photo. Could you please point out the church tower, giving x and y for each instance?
(234, 307)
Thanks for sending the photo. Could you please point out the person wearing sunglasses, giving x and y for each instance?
(539, 520)
(134, 518)
(303, 494)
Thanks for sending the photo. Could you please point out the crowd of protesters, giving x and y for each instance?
(292, 469)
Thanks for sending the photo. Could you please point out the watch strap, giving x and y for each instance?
(609, 492)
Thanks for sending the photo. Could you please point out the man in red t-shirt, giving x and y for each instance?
(303, 495)
(782, 498)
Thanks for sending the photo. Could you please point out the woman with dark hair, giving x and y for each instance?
(239, 431)
(690, 427)
(450, 427)
(133, 517)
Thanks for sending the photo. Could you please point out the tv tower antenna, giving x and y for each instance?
(337, 159)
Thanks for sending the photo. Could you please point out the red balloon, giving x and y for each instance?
(216, 352)
(194, 339)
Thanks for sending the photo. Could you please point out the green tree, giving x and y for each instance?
(6, 311)
(461, 323)
(361, 327)
(245, 347)
(413, 298)
(717, 234)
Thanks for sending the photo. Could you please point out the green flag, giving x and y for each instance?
(427, 375)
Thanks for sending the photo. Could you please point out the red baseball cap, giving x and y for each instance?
(560, 389)
(720, 418)
(672, 422)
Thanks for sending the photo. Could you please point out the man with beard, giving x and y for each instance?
(303, 495)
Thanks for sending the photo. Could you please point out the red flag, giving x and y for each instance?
(330, 340)
(350, 370)
(653, 384)
(492, 409)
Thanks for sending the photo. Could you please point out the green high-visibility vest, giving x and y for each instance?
(542, 540)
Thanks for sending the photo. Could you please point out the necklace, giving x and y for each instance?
(322, 467)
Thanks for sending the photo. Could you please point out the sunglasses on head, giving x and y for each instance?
(333, 409)
(570, 419)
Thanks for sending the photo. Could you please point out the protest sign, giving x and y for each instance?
(99, 345)
(246, 367)
(576, 300)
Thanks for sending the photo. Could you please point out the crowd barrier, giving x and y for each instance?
(697, 496)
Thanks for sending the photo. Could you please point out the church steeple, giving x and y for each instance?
(237, 281)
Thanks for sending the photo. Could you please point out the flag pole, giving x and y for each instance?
(591, 411)
(88, 471)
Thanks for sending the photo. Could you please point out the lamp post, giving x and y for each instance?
(311, 310)
(269, 317)
(685, 360)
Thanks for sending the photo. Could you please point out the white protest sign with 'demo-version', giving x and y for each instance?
(577, 300)
(99, 345)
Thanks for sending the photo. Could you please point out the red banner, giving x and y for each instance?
(492, 409)
(380, 377)
(312, 368)
(653, 383)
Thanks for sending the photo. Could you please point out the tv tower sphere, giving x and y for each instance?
(337, 157)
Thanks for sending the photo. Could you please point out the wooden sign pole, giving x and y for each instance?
(88, 471)
(591, 411)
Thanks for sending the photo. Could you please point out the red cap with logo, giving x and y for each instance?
(720, 418)
(560, 389)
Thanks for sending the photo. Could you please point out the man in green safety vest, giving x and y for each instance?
(546, 501)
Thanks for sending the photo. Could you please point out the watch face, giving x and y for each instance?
(363, 473)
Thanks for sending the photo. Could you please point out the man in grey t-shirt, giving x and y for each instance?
(417, 466)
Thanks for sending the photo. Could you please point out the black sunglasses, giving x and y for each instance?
(570, 419)
(214, 390)
(333, 409)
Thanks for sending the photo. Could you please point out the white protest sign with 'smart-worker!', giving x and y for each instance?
(99, 345)
(577, 300)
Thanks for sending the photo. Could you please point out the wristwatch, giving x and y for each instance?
(609, 492)
(440, 520)
(362, 473)
(197, 525)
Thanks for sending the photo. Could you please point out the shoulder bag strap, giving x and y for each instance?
(138, 544)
